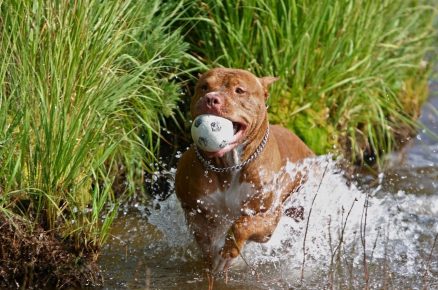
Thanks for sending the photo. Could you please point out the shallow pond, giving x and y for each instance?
(392, 220)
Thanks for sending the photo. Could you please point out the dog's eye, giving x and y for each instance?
(239, 90)
(204, 87)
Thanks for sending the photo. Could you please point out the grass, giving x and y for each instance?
(88, 86)
(352, 73)
(85, 87)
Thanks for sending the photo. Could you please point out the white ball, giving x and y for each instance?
(212, 133)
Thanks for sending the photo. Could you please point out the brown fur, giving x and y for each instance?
(207, 197)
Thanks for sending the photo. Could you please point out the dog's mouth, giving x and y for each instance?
(239, 133)
(238, 128)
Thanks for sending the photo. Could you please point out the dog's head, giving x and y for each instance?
(237, 95)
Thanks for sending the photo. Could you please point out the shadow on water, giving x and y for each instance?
(393, 224)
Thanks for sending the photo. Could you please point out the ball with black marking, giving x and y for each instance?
(211, 133)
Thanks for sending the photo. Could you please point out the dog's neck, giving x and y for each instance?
(254, 138)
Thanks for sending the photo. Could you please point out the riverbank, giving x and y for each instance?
(90, 91)
(33, 258)
(84, 88)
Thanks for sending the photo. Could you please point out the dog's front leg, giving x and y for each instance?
(258, 228)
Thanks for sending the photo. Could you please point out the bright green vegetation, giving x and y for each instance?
(85, 86)
(352, 76)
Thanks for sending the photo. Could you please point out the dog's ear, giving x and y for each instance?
(266, 82)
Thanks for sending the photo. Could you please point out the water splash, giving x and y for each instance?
(169, 219)
(344, 226)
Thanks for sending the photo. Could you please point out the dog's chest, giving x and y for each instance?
(227, 203)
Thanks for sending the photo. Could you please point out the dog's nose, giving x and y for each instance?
(213, 100)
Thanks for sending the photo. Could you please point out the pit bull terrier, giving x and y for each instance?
(236, 194)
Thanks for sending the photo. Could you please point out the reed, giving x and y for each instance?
(352, 73)
(85, 87)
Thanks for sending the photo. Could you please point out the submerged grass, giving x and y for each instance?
(84, 88)
(352, 73)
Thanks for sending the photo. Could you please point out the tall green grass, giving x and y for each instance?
(352, 76)
(84, 88)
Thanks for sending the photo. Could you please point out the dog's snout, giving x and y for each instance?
(213, 100)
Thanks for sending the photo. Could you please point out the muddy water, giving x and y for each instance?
(379, 233)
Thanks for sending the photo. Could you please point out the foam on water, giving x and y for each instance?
(394, 229)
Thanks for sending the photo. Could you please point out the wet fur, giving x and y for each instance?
(225, 210)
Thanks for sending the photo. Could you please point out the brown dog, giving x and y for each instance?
(236, 194)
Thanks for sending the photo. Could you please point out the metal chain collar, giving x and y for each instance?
(207, 164)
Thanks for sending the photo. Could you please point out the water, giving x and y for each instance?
(385, 226)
